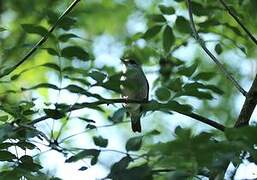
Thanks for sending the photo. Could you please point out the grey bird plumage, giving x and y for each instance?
(135, 87)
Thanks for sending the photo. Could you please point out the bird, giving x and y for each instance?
(134, 86)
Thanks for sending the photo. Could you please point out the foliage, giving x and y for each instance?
(76, 69)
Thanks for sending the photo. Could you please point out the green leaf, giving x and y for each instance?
(52, 51)
(6, 156)
(152, 32)
(29, 164)
(90, 126)
(77, 89)
(66, 37)
(74, 52)
(163, 94)
(171, 105)
(97, 76)
(195, 93)
(83, 168)
(175, 84)
(5, 145)
(218, 49)
(168, 38)
(83, 154)
(87, 120)
(4, 118)
(113, 83)
(118, 115)
(182, 25)
(52, 66)
(54, 113)
(120, 166)
(2, 29)
(166, 9)
(157, 18)
(25, 145)
(204, 76)
(197, 85)
(34, 29)
(187, 71)
(67, 23)
(199, 10)
(100, 141)
(134, 143)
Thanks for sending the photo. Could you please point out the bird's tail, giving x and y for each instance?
(135, 123)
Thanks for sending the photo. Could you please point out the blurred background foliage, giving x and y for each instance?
(60, 98)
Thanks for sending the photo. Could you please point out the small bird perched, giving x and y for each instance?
(135, 87)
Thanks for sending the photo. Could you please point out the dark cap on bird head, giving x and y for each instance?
(129, 61)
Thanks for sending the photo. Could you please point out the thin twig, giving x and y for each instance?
(87, 130)
(238, 21)
(41, 41)
(217, 62)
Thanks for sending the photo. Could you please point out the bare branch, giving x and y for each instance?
(113, 101)
(41, 41)
(249, 106)
(216, 61)
(238, 21)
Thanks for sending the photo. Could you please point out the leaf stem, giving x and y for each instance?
(216, 61)
(41, 41)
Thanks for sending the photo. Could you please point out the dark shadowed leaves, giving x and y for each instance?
(204, 76)
(134, 143)
(166, 9)
(182, 25)
(29, 164)
(157, 18)
(54, 113)
(163, 94)
(6, 156)
(100, 141)
(218, 49)
(187, 71)
(34, 29)
(74, 52)
(97, 76)
(168, 38)
(87, 153)
(118, 115)
(66, 37)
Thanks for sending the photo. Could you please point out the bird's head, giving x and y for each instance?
(130, 63)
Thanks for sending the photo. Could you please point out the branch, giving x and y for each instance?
(41, 41)
(206, 121)
(113, 101)
(238, 21)
(249, 106)
(216, 61)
